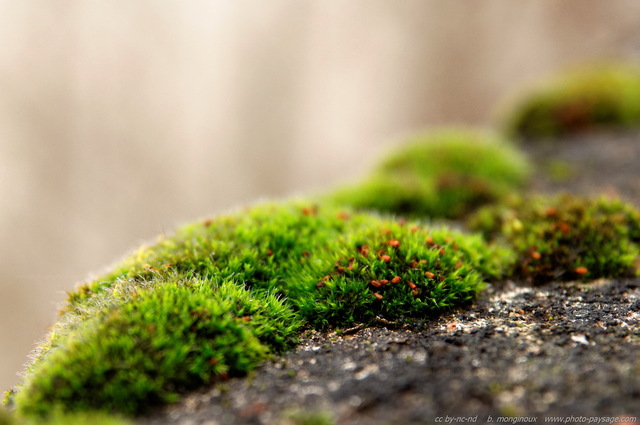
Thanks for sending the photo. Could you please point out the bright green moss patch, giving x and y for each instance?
(393, 270)
(578, 100)
(388, 268)
(160, 343)
(565, 238)
(289, 249)
(447, 174)
(220, 296)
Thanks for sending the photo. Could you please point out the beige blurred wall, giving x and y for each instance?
(120, 119)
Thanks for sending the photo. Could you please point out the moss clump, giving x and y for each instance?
(565, 237)
(578, 100)
(392, 270)
(219, 296)
(162, 342)
(447, 174)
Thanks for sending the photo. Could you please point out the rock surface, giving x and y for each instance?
(569, 350)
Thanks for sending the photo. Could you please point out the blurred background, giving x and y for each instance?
(120, 119)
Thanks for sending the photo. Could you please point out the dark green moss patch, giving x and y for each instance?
(578, 100)
(565, 238)
(220, 296)
(447, 174)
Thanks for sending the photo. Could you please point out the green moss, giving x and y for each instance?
(565, 238)
(160, 343)
(219, 296)
(447, 173)
(393, 270)
(577, 100)
(58, 418)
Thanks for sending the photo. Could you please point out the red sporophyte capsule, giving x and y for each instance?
(564, 228)
(343, 215)
(412, 285)
(459, 264)
(414, 229)
(384, 281)
(429, 240)
(383, 256)
(442, 251)
(394, 243)
(396, 279)
(581, 270)
(376, 283)
(323, 281)
(309, 210)
(429, 275)
(415, 291)
(269, 252)
(207, 223)
(536, 255)
(551, 212)
(386, 231)
(378, 296)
